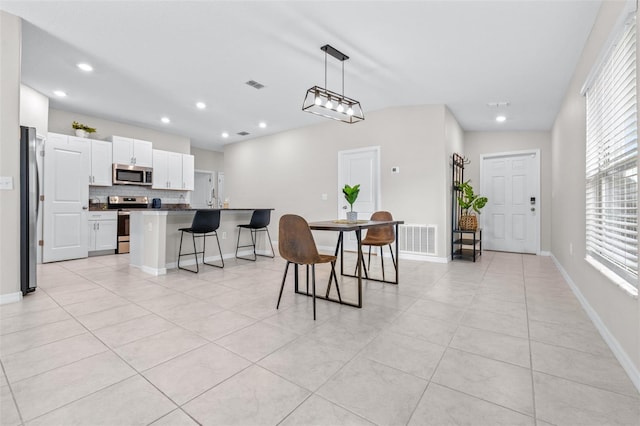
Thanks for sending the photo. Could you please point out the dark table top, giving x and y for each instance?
(344, 226)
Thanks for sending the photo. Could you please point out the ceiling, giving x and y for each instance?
(158, 58)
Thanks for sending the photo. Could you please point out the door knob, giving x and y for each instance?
(84, 207)
(344, 207)
(533, 209)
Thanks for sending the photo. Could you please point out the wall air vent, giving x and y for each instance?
(243, 133)
(417, 239)
(255, 84)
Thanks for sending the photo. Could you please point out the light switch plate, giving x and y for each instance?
(6, 183)
(395, 169)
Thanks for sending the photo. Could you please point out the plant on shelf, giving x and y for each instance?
(351, 194)
(468, 200)
(82, 130)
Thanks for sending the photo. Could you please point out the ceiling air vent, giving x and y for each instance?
(255, 84)
(243, 133)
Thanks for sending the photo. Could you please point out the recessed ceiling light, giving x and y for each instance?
(85, 67)
(262, 125)
(201, 105)
(59, 93)
(501, 119)
(165, 120)
(225, 134)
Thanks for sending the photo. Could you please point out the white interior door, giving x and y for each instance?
(221, 194)
(66, 198)
(359, 166)
(202, 196)
(510, 219)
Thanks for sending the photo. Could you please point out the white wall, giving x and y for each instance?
(34, 110)
(212, 161)
(60, 122)
(479, 143)
(289, 171)
(455, 143)
(10, 41)
(617, 313)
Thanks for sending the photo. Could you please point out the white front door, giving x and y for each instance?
(510, 219)
(359, 166)
(66, 198)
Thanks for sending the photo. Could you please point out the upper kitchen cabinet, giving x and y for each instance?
(132, 151)
(167, 170)
(188, 180)
(101, 160)
(172, 170)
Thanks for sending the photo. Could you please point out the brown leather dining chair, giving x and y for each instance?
(379, 236)
(297, 246)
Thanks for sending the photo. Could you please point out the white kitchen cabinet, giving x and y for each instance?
(131, 151)
(188, 181)
(167, 170)
(101, 160)
(103, 230)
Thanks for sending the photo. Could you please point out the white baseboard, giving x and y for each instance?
(629, 367)
(10, 297)
(545, 253)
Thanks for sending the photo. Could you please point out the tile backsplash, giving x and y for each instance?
(101, 193)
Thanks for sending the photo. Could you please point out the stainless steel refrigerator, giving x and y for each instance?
(29, 195)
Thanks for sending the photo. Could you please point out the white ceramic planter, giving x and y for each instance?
(352, 217)
(81, 133)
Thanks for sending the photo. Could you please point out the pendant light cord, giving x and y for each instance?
(325, 69)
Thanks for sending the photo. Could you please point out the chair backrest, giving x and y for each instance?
(205, 221)
(382, 233)
(295, 242)
(260, 218)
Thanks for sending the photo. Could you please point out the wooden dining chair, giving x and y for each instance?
(297, 246)
(379, 236)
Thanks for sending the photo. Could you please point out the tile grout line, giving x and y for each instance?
(533, 388)
(13, 397)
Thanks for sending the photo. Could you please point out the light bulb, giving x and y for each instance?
(225, 134)
(350, 111)
(318, 100)
(201, 105)
(165, 120)
(328, 104)
(85, 67)
(60, 93)
(501, 119)
(340, 108)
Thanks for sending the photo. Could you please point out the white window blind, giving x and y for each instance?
(611, 162)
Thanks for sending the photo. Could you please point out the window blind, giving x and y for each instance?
(611, 161)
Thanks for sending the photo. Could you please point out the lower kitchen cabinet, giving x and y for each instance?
(103, 230)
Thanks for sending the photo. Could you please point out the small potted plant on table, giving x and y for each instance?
(351, 194)
(468, 200)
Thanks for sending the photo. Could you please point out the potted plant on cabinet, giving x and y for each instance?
(82, 131)
(468, 200)
(351, 194)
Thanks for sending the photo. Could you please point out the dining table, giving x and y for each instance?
(341, 226)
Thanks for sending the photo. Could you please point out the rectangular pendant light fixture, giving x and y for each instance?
(324, 102)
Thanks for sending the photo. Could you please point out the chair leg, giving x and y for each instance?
(313, 286)
(382, 261)
(273, 253)
(180, 255)
(395, 265)
(214, 233)
(284, 278)
(253, 241)
(195, 254)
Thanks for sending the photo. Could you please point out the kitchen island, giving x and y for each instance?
(155, 237)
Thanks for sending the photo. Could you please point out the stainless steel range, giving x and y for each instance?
(124, 204)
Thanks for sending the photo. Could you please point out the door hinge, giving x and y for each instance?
(42, 198)
(41, 243)
(42, 153)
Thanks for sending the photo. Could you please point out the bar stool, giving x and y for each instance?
(297, 246)
(205, 223)
(379, 236)
(260, 219)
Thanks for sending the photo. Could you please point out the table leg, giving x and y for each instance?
(397, 256)
(360, 260)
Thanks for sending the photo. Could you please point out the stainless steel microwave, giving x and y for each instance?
(124, 174)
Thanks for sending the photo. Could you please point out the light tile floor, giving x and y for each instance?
(499, 342)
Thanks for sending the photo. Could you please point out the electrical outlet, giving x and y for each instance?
(324, 197)
(224, 235)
